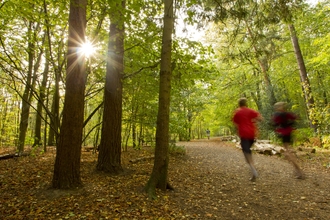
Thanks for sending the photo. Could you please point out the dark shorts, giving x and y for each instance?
(286, 138)
(246, 145)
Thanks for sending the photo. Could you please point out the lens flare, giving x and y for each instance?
(88, 49)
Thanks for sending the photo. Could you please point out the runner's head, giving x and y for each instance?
(280, 106)
(242, 102)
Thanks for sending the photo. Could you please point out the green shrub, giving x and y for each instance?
(302, 135)
(326, 141)
(177, 150)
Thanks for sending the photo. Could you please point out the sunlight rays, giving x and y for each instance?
(81, 51)
(87, 48)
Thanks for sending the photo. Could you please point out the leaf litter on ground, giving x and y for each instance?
(210, 182)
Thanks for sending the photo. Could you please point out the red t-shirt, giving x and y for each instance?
(283, 122)
(244, 120)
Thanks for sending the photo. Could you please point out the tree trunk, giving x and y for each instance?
(67, 162)
(262, 61)
(25, 110)
(321, 85)
(134, 132)
(4, 119)
(58, 67)
(159, 175)
(42, 95)
(30, 82)
(141, 135)
(51, 133)
(309, 99)
(109, 159)
(55, 112)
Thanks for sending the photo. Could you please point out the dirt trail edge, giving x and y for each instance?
(212, 182)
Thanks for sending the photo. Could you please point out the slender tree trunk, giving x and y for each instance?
(190, 132)
(135, 109)
(321, 85)
(309, 99)
(51, 133)
(264, 69)
(159, 175)
(67, 162)
(58, 67)
(55, 113)
(42, 95)
(4, 114)
(141, 137)
(109, 159)
(127, 135)
(134, 133)
(98, 130)
(30, 82)
(25, 111)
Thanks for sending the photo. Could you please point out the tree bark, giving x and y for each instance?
(34, 60)
(159, 175)
(109, 158)
(4, 119)
(262, 61)
(55, 112)
(67, 162)
(42, 95)
(306, 88)
(57, 64)
(26, 97)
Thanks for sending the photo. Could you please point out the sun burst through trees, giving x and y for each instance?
(87, 49)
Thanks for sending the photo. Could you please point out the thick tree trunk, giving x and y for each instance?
(67, 162)
(159, 175)
(109, 159)
(309, 99)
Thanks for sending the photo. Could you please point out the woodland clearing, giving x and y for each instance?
(210, 182)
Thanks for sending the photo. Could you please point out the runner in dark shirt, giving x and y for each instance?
(283, 122)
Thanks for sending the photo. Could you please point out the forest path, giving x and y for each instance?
(216, 185)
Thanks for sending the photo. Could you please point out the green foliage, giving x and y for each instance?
(177, 150)
(192, 88)
(207, 78)
(37, 150)
(326, 141)
(242, 46)
(302, 135)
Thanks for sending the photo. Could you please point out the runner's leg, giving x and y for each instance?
(246, 147)
(290, 156)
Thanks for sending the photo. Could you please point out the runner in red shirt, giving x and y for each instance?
(245, 119)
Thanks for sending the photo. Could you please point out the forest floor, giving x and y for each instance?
(210, 182)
